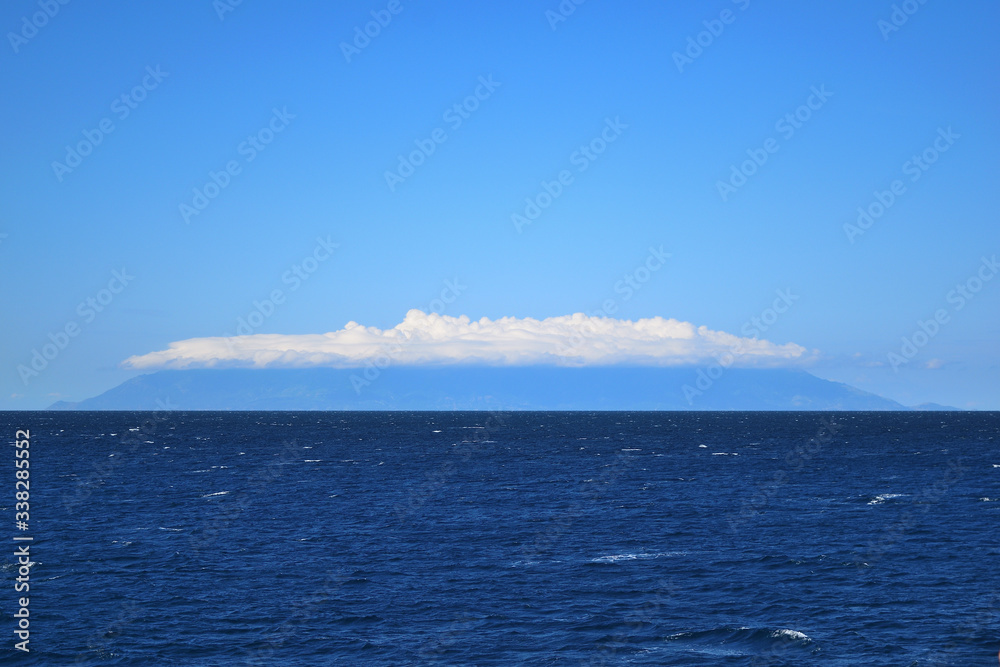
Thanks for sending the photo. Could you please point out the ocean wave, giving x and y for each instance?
(749, 639)
(794, 635)
(882, 497)
(636, 556)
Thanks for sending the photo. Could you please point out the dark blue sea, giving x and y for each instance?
(525, 538)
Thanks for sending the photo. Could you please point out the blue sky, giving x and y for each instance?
(335, 127)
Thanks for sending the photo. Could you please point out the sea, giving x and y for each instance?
(503, 538)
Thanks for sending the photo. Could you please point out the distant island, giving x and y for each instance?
(457, 387)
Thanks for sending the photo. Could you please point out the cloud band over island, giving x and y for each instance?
(432, 339)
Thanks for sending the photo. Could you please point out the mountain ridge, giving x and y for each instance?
(482, 388)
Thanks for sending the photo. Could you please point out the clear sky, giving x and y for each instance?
(830, 103)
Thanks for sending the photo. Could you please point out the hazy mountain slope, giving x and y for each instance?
(464, 387)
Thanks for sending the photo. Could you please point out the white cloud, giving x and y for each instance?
(569, 340)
